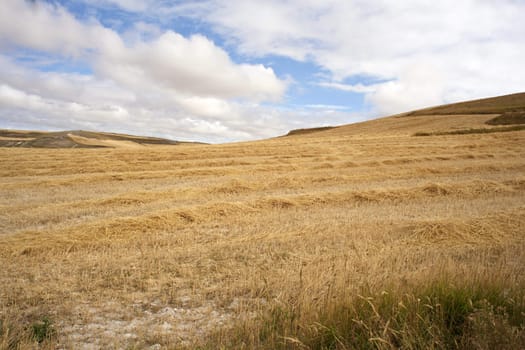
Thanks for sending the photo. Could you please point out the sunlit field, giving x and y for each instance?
(363, 236)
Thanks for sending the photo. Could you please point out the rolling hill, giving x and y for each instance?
(470, 115)
(492, 105)
(478, 114)
(76, 139)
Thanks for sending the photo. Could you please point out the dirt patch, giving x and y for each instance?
(147, 324)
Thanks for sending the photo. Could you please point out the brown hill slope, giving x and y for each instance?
(492, 105)
(460, 117)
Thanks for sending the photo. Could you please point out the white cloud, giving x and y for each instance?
(48, 100)
(209, 107)
(475, 46)
(359, 88)
(191, 66)
(327, 107)
(400, 55)
(144, 77)
(43, 26)
(30, 99)
(418, 86)
(85, 89)
(17, 99)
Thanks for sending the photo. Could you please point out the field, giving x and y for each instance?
(361, 236)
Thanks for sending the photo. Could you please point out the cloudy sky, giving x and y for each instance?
(226, 70)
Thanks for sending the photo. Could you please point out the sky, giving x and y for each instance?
(225, 70)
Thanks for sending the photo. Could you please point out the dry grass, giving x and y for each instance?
(352, 237)
(492, 105)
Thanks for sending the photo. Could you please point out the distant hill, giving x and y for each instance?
(76, 139)
(492, 105)
(308, 130)
(483, 115)
(462, 117)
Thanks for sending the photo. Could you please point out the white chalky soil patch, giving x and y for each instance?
(116, 326)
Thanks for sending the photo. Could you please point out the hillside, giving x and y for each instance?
(308, 130)
(363, 236)
(478, 114)
(75, 139)
(492, 105)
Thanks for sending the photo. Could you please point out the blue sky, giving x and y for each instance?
(222, 70)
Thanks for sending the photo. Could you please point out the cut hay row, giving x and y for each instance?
(351, 237)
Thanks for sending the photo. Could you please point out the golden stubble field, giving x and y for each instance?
(179, 246)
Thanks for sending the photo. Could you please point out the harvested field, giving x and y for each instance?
(307, 241)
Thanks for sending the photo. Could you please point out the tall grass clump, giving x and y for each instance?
(17, 332)
(441, 315)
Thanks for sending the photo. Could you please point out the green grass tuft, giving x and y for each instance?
(439, 316)
(42, 330)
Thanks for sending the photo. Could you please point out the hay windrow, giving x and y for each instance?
(277, 244)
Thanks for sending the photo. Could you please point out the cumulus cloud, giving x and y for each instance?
(359, 88)
(399, 55)
(169, 77)
(46, 27)
(192, 66)
(55, 101)
(418, 86)
(468, 47)
(48, 100)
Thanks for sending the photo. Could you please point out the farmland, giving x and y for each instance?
(312, 240)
